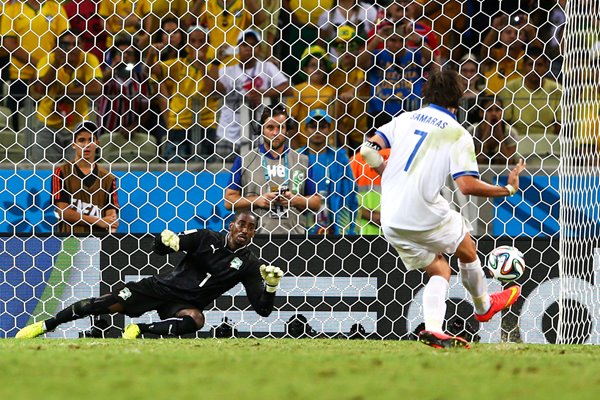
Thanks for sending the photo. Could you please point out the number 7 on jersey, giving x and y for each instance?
(423, 134)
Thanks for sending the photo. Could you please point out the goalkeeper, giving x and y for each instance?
(213, 264)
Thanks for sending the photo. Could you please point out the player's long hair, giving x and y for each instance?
(444, 88)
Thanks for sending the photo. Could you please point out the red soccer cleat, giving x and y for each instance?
(441, 340)
(500, 301)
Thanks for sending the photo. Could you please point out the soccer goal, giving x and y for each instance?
(178, 90)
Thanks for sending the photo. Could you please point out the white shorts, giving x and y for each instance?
(418, 249)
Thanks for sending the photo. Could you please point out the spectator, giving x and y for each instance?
(159, 10)
(368, 185)
(395, 74)
(501, 54)
(469, 71)
(526, 29)
(274, 181)
(185, 81)
(122, 15)
(361, 16)
(495, 140)
(85, 194)
(206, 101)
(29, 31)
(307, 12)
(67, 78)
(313, 91)
(448, 21)
(586, 113)
(87, 25)
(345, 39)
(125, 101)
(532, 106)
(269, 28)
(299, 23)
(170, 44)
(333, 176)
(556, 25)
(352, 91)
(410, 14)
(4, 56)
(226, 22)
(247, 83)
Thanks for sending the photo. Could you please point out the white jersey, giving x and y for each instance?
(237, 82)
(426, 146)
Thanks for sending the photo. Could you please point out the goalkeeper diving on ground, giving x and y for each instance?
(213, 264)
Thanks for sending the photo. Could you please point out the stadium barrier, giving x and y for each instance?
(362, 282)
(148, 200)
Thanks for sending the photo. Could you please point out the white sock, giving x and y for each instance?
(434, 303)
(473, 279)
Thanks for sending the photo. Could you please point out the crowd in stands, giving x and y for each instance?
(188, 81)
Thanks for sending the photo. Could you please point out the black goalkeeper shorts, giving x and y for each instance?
(140, 297)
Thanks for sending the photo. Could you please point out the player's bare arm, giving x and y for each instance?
(74, 217)
(470, 185)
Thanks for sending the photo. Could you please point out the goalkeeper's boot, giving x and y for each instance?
(500, 301)
(32, 331)
(132, 331)
(440, 340)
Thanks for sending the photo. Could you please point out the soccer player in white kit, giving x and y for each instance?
(427, 145)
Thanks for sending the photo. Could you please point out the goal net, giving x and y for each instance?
(579, 262)
(179, 92)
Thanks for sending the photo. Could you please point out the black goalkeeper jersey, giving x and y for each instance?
(209, 269)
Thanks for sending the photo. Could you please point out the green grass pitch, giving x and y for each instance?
(284, 369)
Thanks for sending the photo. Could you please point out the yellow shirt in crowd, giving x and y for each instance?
(38, 31)
(532, 111)
(160, 8)
(308, 97)
(310, 10)
(586, 112)
(3, 51)
(185, 84)
(117, 11)
(224, 26)
(351, 119)
(503, 72)
(54, 113)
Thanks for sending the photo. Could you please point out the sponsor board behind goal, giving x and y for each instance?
(334, 283)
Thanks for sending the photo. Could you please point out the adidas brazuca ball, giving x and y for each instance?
(506, 263)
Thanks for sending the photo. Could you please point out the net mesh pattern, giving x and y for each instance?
(181, 92)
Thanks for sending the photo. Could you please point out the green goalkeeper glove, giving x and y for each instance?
(170, 239)
(272, 276)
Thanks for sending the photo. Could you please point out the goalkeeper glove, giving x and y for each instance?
(272, 276)
(170, 239)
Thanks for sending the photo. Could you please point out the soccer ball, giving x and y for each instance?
(506, 263)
